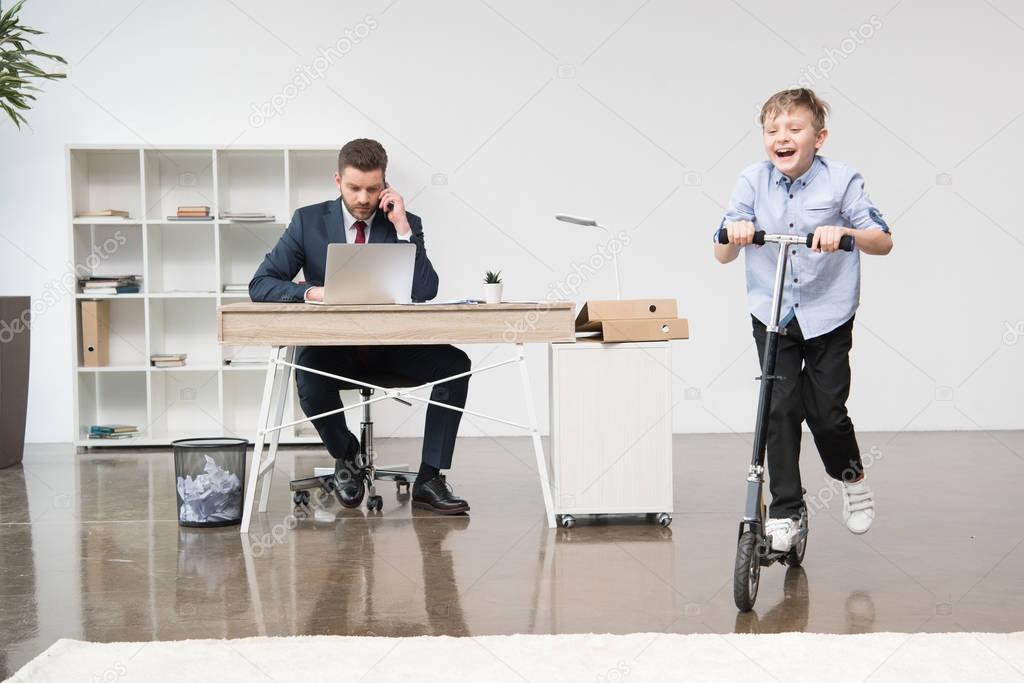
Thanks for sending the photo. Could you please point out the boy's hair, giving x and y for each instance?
(798, 97)
(363, 154)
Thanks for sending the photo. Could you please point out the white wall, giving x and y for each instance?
(640, 113)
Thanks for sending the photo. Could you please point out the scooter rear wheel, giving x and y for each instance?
(796, 553)
(747, 574)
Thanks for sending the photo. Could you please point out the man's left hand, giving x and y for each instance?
(397, 213)
(826, 238)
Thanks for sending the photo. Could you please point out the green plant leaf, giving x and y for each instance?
(17, 65)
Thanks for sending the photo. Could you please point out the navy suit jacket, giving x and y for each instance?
(304, 246)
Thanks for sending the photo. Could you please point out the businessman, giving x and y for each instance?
(368, 210)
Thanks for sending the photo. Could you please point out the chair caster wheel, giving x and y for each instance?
(664, 519)
(300, 498)
(568, 521)
(400, 485)
(374, 503)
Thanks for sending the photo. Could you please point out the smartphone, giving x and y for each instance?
(390, 205)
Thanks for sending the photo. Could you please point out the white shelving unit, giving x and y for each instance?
(184, 266)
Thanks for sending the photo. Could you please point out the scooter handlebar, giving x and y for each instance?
(846, 242)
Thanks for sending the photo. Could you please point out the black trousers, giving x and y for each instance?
(425, 363)
(815, 388)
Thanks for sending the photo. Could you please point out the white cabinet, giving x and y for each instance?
(611, 428)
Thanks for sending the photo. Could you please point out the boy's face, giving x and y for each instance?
(791, 141)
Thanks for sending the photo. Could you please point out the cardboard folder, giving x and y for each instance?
(95, 335)
(633, 320)
(594, 312)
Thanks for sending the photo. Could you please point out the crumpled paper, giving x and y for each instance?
(211, 497)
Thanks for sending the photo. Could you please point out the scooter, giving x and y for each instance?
(753, 547)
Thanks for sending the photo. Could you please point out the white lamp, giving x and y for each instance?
(591, 223)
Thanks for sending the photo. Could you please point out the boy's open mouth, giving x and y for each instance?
(785, 152)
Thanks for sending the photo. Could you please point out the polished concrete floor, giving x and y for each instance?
(90, 549)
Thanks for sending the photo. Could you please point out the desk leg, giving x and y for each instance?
(257, 451)
(281, 387)
(538, 447)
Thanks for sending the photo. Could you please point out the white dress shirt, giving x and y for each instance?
(350, 226)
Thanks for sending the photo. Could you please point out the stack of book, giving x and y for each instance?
(103, 213)
(115, 431)
(110, 284)
(192, 213)
(246, 216)
(236, 288)
(168, 360)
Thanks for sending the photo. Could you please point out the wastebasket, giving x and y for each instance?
(210, 477)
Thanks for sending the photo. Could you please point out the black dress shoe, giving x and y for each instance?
(436, 495)
(348, 483)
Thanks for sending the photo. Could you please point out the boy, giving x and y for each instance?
(796, 191)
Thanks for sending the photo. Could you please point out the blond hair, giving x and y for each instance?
(786, 100)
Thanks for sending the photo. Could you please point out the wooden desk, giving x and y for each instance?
(283, 326)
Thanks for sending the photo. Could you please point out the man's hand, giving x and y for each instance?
(741, 233)
(315, 294)
(397, 213)
(826, 238)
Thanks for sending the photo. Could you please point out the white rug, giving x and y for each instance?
(600, 658)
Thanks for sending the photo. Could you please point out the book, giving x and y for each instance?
(247, 217)
(115, 284)
(113, 436)
(168, 356)
(190, 218)
(110, 290)
(103, 213)
(113, 428)
(194, 209)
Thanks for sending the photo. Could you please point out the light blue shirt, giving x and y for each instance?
(821, 290)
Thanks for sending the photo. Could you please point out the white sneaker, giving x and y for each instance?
(782, 533)
(858, 507)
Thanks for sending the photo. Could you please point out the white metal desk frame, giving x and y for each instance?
(275, 390)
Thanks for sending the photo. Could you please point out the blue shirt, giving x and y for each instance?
(821, 290)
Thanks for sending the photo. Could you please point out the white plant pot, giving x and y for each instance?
(492, 293)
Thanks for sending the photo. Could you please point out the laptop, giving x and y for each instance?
(369, 274)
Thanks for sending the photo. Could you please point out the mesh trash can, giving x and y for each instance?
(210, 478)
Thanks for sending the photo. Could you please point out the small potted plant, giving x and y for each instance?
(492, 287)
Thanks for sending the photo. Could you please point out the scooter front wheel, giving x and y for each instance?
(747, 574)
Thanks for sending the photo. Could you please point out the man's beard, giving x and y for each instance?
(356, 211)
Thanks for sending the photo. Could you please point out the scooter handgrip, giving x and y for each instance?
(723, 236)
(846, 242)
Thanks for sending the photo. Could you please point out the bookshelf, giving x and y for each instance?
(184, 266)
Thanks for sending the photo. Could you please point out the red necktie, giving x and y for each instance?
(360, 227)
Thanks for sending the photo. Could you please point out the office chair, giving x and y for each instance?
(366, 458)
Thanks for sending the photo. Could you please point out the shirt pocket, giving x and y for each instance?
(818, 214)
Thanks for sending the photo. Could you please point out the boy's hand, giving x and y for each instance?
(741, 233)
(826, 238)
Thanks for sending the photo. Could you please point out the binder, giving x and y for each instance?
(95, 317)
(633, 320)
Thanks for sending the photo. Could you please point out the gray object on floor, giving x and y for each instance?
(15, 312)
